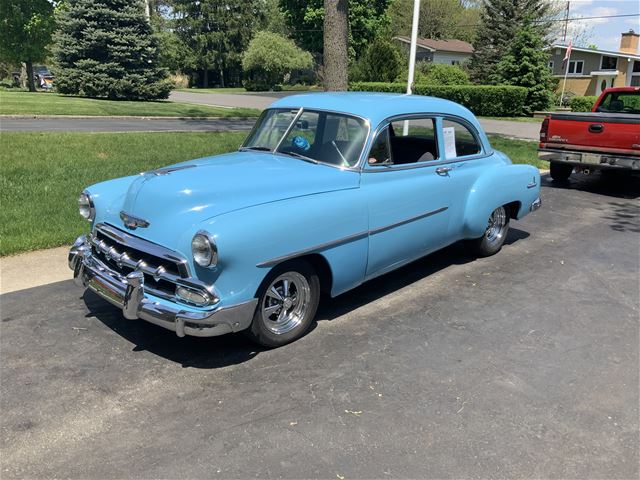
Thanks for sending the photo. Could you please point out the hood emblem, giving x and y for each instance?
(132, 222)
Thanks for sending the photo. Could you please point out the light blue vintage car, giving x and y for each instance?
(328, 191)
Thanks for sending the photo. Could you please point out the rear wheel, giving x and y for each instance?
(560, 172)
(287, 304)
(495, 234)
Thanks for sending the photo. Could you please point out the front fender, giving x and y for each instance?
(499, 186)
(253, 240)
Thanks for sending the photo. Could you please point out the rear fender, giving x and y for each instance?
(496, 187)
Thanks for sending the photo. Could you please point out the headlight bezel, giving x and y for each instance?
(86, 207)
(207, 254)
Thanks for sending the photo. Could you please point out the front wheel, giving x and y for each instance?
(287, 304)
(495, 234)
(560, 172)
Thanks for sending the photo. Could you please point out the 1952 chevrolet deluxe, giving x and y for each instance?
(328, 191)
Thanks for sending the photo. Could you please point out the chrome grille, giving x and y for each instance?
(124, 253)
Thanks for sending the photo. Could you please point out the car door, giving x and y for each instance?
(408, 194)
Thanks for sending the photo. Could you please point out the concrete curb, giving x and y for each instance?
(115, 117)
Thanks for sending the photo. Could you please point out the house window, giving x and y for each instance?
(576, 66)
(608, 63)
(551, 65)
(636, 66)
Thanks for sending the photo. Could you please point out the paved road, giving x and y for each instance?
(522, 365)
(98, 124)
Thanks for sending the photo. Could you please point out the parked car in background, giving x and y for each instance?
(328, 191)
(608, 137)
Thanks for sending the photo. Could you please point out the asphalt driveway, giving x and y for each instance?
(522, 365)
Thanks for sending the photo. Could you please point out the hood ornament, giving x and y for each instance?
(132, 222)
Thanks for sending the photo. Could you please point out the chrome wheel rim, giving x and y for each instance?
(496, 226)
(285, 302)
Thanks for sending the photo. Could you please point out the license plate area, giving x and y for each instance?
(591, 158)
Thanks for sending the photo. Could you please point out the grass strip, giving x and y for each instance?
(43, 103)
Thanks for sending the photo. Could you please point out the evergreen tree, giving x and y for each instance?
(216, 33)
(25, 32)
(105, 49)
(526, 65)
(500, 21)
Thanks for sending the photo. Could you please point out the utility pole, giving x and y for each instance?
(566, 24)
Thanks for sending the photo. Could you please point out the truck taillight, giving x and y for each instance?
(544, 129)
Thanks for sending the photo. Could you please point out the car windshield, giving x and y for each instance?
(620, 102)
(316, 136)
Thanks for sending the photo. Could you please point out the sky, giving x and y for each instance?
(603, 32)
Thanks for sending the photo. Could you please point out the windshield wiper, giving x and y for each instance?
(258, 148)
(301, 157)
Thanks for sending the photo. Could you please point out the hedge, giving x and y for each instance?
(582, 104)
(483, 100)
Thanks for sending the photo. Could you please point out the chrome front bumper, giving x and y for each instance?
(537, 203)
(128, 294)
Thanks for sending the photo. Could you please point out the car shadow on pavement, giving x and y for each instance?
(231, 349)
(610, 184)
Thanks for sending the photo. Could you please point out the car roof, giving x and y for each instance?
(376, 107)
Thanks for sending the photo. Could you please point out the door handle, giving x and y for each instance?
(443, 171)
(596, 128)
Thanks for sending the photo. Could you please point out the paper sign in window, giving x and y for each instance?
(449, 136)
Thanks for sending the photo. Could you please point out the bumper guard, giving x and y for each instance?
(127, 293)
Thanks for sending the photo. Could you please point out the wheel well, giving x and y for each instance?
(513, 208)
(321, 266)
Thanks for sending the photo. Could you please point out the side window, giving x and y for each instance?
(413, 141)
(458, 140)
(380, 153)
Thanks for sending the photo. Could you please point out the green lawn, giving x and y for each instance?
(43, 173)
(516, 119)
(42, 103)
(519, 151)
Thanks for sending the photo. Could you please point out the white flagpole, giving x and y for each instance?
(412, 55)
(566, 72)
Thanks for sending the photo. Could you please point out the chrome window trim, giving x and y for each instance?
(348, 238)
(367, 123)
(485, 152)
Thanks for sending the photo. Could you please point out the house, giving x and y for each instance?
(449, 52)
(591, 71)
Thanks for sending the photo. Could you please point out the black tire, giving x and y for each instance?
(560, 172)
(304, 286)
(494, 236)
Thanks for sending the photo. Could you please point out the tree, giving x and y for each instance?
(336, 41)
(439, 19)
(305, 19)
(526, 65)
(216, 33)
(381, 62)
(25, 32)
(269, 58)
(500, 21)
(105, 49)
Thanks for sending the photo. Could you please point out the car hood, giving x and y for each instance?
(176, 199)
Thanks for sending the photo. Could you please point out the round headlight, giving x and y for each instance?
(205, 252)
(85, 206)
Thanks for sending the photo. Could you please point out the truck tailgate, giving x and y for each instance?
(597, 132)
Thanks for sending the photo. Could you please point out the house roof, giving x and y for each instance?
(598, 52)
(458, 46)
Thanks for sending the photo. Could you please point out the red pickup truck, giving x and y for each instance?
(608, 137)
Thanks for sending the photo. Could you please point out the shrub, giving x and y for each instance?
(492, 101)
(380, 63)
(269, 58)
(107, 50)
(427, 73)
(582, 104)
